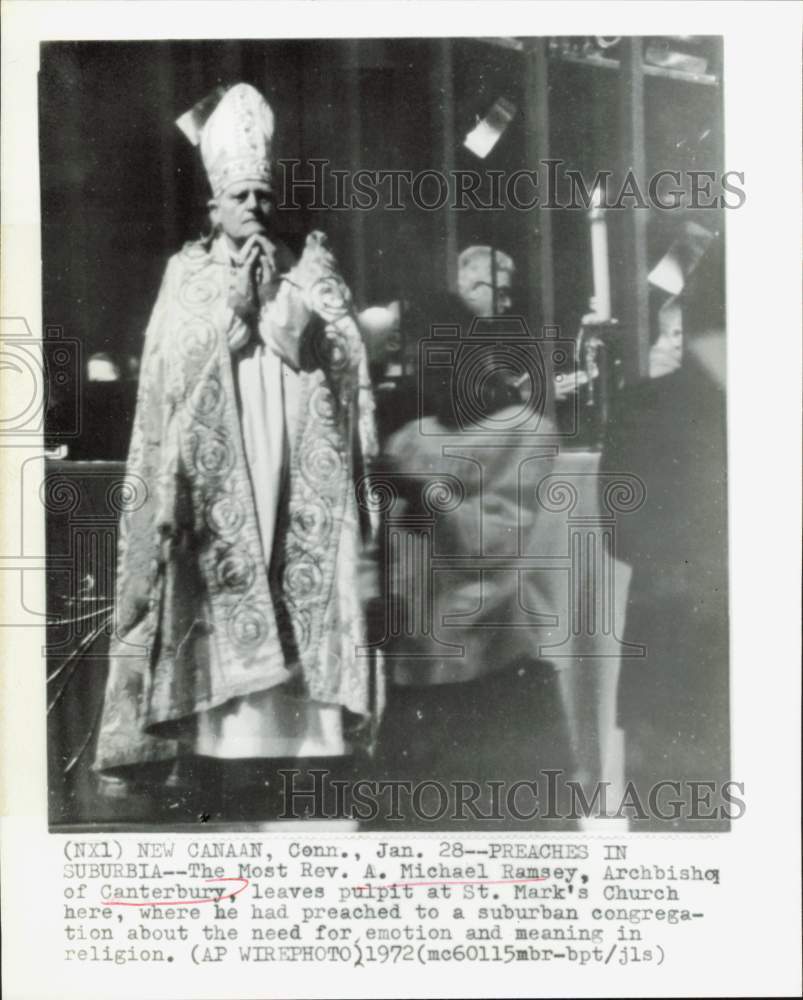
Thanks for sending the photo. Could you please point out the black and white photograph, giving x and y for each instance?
(399, 561)
(386, 414)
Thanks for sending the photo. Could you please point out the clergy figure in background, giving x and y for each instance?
(238, 608)
(482, 587)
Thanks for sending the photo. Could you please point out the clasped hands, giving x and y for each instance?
(255, 278)
(279, 303)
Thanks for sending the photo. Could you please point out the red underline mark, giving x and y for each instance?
(186, 902)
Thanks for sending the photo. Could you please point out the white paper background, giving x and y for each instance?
(755, 950)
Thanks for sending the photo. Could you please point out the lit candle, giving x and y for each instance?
(599, 257)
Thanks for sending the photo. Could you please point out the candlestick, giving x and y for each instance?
(599, 258)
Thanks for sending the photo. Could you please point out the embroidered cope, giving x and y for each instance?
(239, 622)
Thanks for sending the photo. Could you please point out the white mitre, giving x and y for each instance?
(235, 133)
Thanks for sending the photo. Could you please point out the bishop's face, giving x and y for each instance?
(242, 210)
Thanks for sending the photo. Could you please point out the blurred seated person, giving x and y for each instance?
(393, 333)
(485, 288)
(464, 484)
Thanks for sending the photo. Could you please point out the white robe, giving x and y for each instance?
(269, 723)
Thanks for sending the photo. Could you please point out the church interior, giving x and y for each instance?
(121, 190)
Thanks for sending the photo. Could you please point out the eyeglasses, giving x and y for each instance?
(488, 284)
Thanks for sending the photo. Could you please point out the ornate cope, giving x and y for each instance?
(200, 618)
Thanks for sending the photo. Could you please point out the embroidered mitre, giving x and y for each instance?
(235, 133)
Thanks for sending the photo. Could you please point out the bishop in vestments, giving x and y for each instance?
(239, 617)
